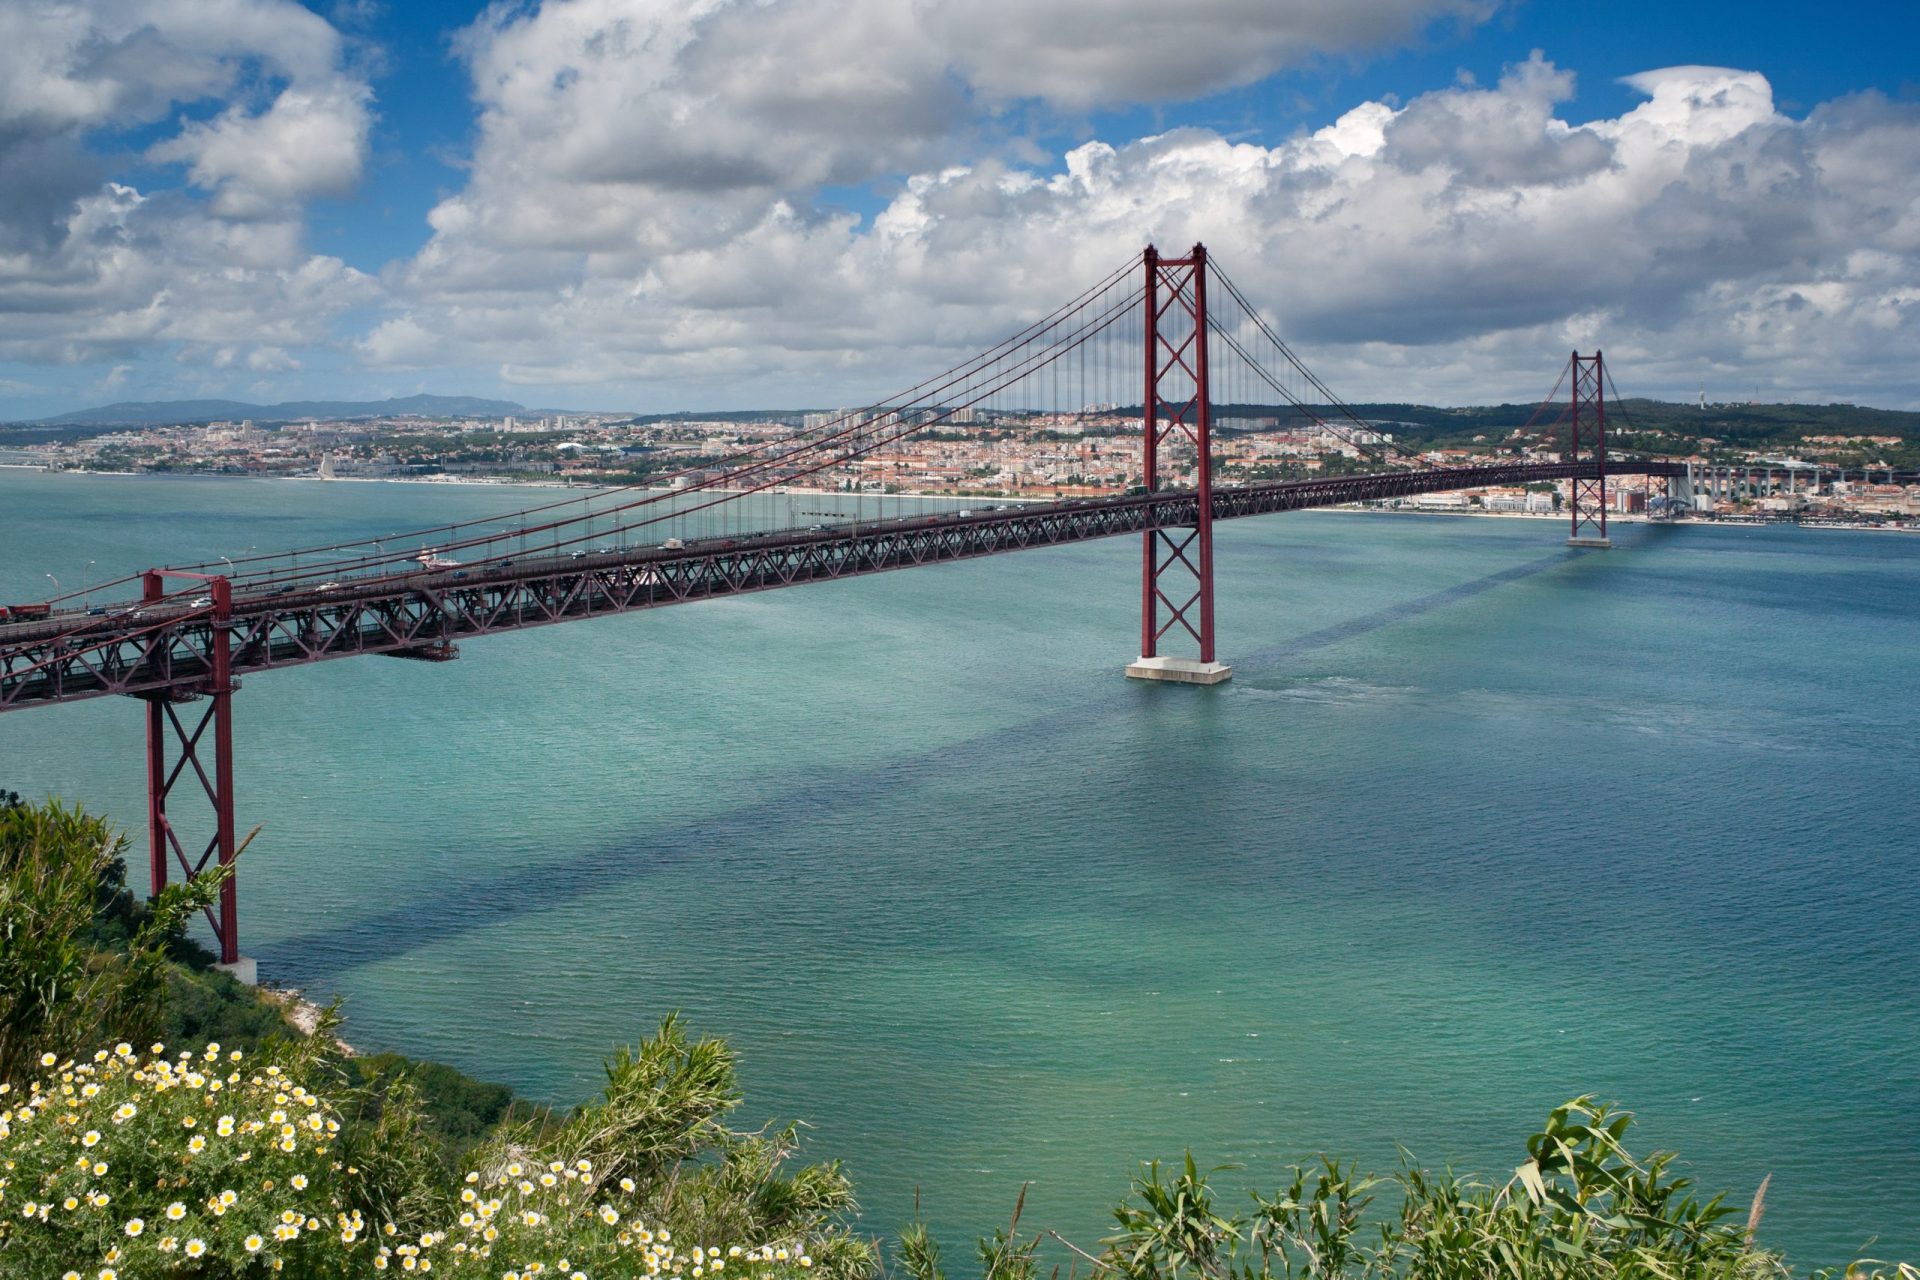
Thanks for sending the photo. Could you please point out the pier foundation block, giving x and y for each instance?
(244, 971)
(1179, 670)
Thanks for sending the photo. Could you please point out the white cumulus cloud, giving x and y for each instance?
(1082, 53)
(309, 142)
(652, 210)
(97, 270)
(660, 238)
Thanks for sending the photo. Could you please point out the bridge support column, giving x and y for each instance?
(1682, 491)
(1177, 561)
(211, 765)
(1589, 496)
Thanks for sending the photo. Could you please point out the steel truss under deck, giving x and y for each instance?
(173, 649)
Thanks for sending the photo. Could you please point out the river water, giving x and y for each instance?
(1480, 824)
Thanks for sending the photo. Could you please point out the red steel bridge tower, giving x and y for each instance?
(1589, 497)
(1176, 578)
(211, 764)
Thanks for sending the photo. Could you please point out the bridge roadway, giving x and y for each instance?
(167, 647)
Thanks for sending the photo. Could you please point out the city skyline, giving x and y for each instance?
(664, 207)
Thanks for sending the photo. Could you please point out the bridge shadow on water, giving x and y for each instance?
(463, 905)
(1403, 612)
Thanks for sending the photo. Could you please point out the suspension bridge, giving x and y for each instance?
(1171, 335)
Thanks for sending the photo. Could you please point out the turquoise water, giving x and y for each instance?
(1480, 824)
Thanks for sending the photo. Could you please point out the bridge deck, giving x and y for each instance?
(423, 613)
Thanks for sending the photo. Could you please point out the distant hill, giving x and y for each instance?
(162, 413)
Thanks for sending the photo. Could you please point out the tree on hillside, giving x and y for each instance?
(62, 873)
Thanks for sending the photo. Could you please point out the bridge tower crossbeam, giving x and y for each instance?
(1176, 579)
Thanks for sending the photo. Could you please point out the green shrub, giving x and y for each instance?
(660, 1125)
(61, 882)
(201, 1003)
(1581, 1206)
(126, 1164)
(131, 1165)
(457, 1112)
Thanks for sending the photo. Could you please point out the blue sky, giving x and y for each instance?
(558, 201)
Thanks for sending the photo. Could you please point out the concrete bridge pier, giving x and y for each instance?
(1179, 670)
(1680, 492)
